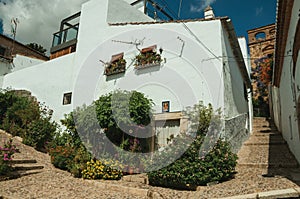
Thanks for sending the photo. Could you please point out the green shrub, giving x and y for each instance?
(87, 129)
(39, 133)
(194, 168)
(103, 169)
(121, 113)
(62, 156)
(67, 150)
(79, 163)
(21, 115)
(123, 108)
(7, 98)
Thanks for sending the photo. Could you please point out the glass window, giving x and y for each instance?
(67, 98)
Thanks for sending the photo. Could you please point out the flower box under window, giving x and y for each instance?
(116, 65)
(148, 57)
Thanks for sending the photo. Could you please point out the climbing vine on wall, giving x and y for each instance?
(262, 77)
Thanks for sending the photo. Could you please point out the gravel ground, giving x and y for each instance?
(54, 183)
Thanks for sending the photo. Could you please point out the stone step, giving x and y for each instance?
(28, 161)
(26, 167)
(268, 165)
(265, 140)
(266, 143)
(272, 133)
(264, 129)
(260, 119)
(266, 154)
(264, 125)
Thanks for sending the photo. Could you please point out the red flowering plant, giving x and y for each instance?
(262, 76)
(6, 156)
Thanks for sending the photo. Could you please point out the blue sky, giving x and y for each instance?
(245, 15)
(1, 26)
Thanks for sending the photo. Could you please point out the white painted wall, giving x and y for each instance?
(184, 79)
(47, 81)
(21, 62)
(235, 102)
(288, 93)
(276, 107)
(5, 68)
(244, 49)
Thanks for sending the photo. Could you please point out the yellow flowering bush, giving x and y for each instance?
(103, 169)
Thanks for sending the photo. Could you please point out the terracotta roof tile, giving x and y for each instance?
(164, 22)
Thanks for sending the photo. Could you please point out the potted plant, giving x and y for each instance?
(116, 65)
(148, 57)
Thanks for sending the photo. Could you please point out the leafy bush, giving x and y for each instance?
(21, 115)
(39, 133)
(7, 98)
(62, 156)
(6, 155)
(120, 108)
(103, 169)
(121, 111)
(87, 128)
(68, 154)
(67, 150)
(194, 168)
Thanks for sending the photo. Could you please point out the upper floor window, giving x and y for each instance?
(68, 30)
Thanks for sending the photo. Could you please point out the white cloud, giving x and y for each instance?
(38, 19)
(258, 11)
(201, 5)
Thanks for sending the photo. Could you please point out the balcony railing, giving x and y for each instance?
(65, 35)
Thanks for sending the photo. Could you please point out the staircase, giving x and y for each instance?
(27, 162)
(268, 151)
(24, 167)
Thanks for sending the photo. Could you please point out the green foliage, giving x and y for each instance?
(103, 169)
(37, 47)
(193, 168)
(120, 108)
(67, 150)
(200, 117)
(62, 156)
(40, 132)
(7, 98)
(70, 158)
(21, 115)
(122, 114)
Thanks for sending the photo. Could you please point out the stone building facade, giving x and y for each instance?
(261, 44)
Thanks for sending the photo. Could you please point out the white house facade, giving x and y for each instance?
(194, 60)
(285, 92)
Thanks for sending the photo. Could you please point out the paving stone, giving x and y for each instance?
(247, 196)
(284, 193)
(54, 183)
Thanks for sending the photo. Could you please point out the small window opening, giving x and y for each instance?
(67, 98)
(260, 35)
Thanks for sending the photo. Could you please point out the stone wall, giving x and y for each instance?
(236, 132)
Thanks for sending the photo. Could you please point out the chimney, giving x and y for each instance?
(209, 13)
